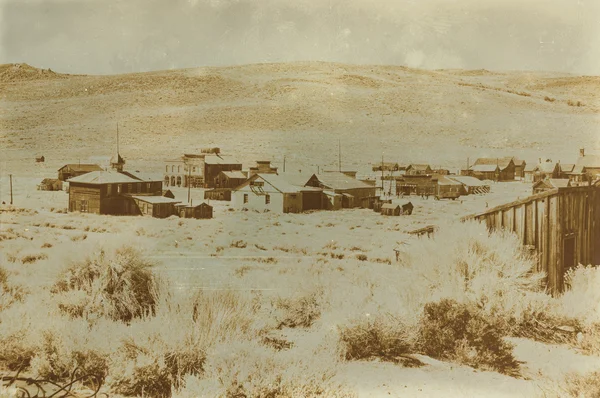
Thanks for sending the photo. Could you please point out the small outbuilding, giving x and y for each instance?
(218, 194)
(154, 206)
(550, 183)
(40, 159)
(201, 211)
(389, 209)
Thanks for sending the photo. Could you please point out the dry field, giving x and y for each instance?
(267, 305)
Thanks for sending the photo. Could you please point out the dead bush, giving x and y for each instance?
(118, 285)
(549, 99)
(361, 257)
(238, 244)
(380, 337)
(32, 258)
(582, 386)
(299, 311)
(457, 332)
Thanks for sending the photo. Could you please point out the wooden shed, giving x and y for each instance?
(218, 194)
(562, 224)
(201, 211)
(75, 170)
(40, 159)
(154, 206)
(389, 209)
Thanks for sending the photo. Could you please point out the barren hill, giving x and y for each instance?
(300, 110)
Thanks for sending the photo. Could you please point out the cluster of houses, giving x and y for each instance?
(115, 191)
(109, 189)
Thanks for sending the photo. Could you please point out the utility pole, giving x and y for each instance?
(382, 188)
(11, 193)
(117, 140)
(189, 183)
(284, 163)
(340, 155)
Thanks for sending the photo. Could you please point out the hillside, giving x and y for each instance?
(300, 110)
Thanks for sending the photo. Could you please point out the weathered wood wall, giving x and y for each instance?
(543, 221)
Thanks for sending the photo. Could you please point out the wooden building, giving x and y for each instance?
(471, 185)
(218, 194)
(167, 193)
(262, 167)
(154, 206)
(352, 192)
(447, 188)
(273, 192)
(214, 164)
(50, 184)
(495, 169)
(542, 170)
(74, 170)
(201, 211)
(519, 168)
(109, 192)
(562, 224)
(550, 183)
(416, 185)
(198, 170)
(418, 169)
(40, 159)
(389, 209)
(586, 169)
(230, 179)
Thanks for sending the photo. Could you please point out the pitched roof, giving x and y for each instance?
(501, 162)
(336, 180)
(419, 166)
(234, 174)
(567, 167)
(103, 177)
(280, 183)
(219, 159)
(141, 176)
(485, 167)
(82, 167)
(554, 183)
(298, 179)
(390, 206)
(587, 161)
(443, 180)
(547, 167)
(154, 199)
(468, 181)
(519, 162)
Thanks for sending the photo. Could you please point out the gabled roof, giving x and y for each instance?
(422, 167)
(277, 182)
(485, 167)
(554, 183)
(587, 161)
(547, 167)
(386, 166)
(519, 162)
(219, 159)
(49, 181)
(443, 180)
(234, 174)
(390, 206)
(82, 167)
(567, 167)
(141, 176)
(337, 181)
(103, 177)
(501, 162)
(468, 181)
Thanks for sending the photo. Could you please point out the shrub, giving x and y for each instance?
(456, 332)
(582, 386)
(146, 376)
(32, 258)
(15, 354)
(361, 257)
(378, 337)
(574, 103)
(248, 369)
(9, 293)
(299, 311)
(118, 285)
(549, 99)
(239, 244)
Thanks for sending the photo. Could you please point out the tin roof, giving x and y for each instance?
(82, 167)
(336, 181)
(103, 177)
(155, 199)
(234, 174)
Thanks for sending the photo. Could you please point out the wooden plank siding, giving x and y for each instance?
(545, 220)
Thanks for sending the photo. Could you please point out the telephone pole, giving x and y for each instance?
(189, 182)
(284, 163)
(340, 155)
(11, 193)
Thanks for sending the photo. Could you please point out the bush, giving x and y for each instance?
(582, 386)
(549, 99)
(378, 337)
(299, 311)
(361, 257)
(15, 354)
(456, 332)
(119, 286)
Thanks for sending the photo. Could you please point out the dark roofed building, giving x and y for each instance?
(496, 169)
(74, 170)
(230, 179)
(418, 169)
(355, 193)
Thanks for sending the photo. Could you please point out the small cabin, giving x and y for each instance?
(201, 211)
(40, 159)
(218, 194)
(389, 209)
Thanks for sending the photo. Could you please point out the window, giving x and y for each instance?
(167, 169)
(108, 190)
(179, 169)
(148, 186)
(84, 206)
(194, 169)
(267, 199)
(119, 188)
(129, 188)
(245, 198)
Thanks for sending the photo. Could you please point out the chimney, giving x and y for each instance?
(582, 152)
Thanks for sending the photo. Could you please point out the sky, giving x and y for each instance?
(120, 36)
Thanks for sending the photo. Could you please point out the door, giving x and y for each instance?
(569, 258)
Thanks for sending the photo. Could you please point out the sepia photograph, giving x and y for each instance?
(299, 198)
